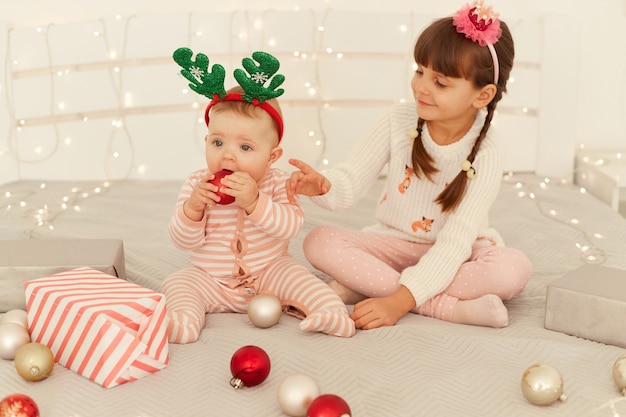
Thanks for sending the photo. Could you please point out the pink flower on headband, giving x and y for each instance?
(478, 22)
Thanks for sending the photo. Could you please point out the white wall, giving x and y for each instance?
(590, 95)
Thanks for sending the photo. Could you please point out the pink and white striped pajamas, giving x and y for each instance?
(235, 256)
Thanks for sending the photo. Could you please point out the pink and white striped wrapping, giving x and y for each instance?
(104, 328)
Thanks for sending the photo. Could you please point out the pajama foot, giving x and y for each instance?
(182, 328)
(336, 323)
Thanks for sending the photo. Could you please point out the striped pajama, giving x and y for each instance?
(235, 256)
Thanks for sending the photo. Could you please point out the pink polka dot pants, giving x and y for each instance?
(371, 264)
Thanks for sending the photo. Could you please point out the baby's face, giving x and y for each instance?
(240, 142)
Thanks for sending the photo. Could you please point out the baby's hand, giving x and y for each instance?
(306, 181)
(203, 194)
(244, 188)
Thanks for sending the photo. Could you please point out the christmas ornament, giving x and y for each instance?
(542, 384)
(15, 316)
(249, 366)
(34, 361)
(217, 181)
(264, 310)
(329, 405)
(18, 405)
(619, 374)
(295, 394)
(12, 337)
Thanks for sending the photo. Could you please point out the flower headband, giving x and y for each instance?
(211, 84)
(480, 24)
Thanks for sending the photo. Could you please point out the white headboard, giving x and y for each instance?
(103, 99)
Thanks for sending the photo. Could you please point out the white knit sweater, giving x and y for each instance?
(407, 210)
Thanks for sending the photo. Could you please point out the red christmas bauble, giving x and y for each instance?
(18, 405)
(249, 366)
(217, 181)
(329, 405)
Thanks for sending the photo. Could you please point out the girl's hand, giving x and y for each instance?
(385, 311)
(306, 181)
(244, 188)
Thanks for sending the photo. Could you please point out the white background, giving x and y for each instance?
(589, 108)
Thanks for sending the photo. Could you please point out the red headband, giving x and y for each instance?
(239, 97)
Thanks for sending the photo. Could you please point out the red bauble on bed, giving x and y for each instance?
(250, 366)
(217, 181)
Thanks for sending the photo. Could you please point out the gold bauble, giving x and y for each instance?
(619, 374)
(542, 384)
(34, 361)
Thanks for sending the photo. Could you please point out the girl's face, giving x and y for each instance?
(444, 99)
(238, 142)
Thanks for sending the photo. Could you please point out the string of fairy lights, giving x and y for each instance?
(121, 158)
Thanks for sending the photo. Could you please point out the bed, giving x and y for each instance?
(419, 367)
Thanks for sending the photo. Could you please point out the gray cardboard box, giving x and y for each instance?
(23, 260)
(589, 302)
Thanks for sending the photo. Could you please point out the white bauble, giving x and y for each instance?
(295, 394)
(15, 316)
(264, 310)
(12, 337)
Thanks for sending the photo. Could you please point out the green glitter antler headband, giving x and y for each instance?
(211, 84)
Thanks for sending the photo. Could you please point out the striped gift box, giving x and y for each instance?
(102, 327)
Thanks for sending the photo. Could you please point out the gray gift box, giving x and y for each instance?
(589, 302)
(23, 260)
